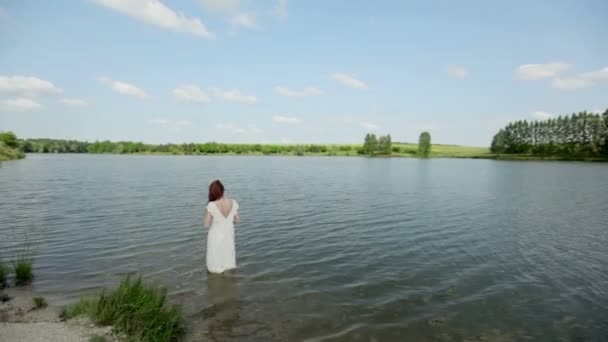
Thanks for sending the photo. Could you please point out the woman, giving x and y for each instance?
(222, 214)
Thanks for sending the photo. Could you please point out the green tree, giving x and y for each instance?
(9, 139)
(370, 145)
(498, 142)
(605, 132)
(424, 144)
(384, 145)
(578, 135)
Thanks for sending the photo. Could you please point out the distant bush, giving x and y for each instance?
(9, 139)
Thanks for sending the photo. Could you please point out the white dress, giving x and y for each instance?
(221, 255)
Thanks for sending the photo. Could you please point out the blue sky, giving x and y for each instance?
(296, 70)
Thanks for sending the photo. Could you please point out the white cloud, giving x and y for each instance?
(171, 123)
(160, 121)
(124, 88)
(532, 72)
(281, 9)
(232, 95)
(237, 129)
(156, 13)
(190, 93)
(348, 80)
(244, 19)
(278, 119)
(458, 71)
(20, 104)
(220, 6)
(232, 11)
(540, 115)
(598, 111)
(596, 75)
(308, 91)
(370, 126)
(586, 79)
(27, 84)
(73, 102)
(570, 83)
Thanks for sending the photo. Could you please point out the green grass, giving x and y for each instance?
(139, 311)
(442, 151)
(23, 269)
(40, 303)
(85, 306)
(97, 338)
(4, 270)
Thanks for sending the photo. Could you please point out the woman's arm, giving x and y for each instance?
(208, 219)
(237, 217)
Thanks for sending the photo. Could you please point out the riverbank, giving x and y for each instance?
(397, 150)
(531, 157)
(469, 155)
(20, 320)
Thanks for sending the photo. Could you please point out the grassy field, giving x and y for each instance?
(445, 151)
(411, 150)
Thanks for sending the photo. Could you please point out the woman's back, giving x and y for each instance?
(222, 214)
(221, 254)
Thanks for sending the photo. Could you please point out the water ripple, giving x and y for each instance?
(331, 248)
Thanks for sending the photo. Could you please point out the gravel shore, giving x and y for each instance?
(21, 321)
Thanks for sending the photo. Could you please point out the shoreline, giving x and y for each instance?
(20, 320)
(499, 157)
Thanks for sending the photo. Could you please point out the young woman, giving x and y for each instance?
(222, 214)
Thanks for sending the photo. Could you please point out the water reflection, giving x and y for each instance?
(223, 312)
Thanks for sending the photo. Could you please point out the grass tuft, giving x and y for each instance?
(23, 269)
(97, 338)
(3, 273)
(139, 311)
(40, 303)
(85, 306)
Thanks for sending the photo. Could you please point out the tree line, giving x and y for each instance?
(578, 135)
(374, 146)
(127, 147)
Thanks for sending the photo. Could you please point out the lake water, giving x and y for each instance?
(331, 249)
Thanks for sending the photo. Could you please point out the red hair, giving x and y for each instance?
(216, 190)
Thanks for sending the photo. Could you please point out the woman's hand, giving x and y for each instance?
(237, 217)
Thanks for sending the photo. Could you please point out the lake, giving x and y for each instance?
(331, 249)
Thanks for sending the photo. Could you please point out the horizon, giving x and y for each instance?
(290, 72)
(238, 143)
